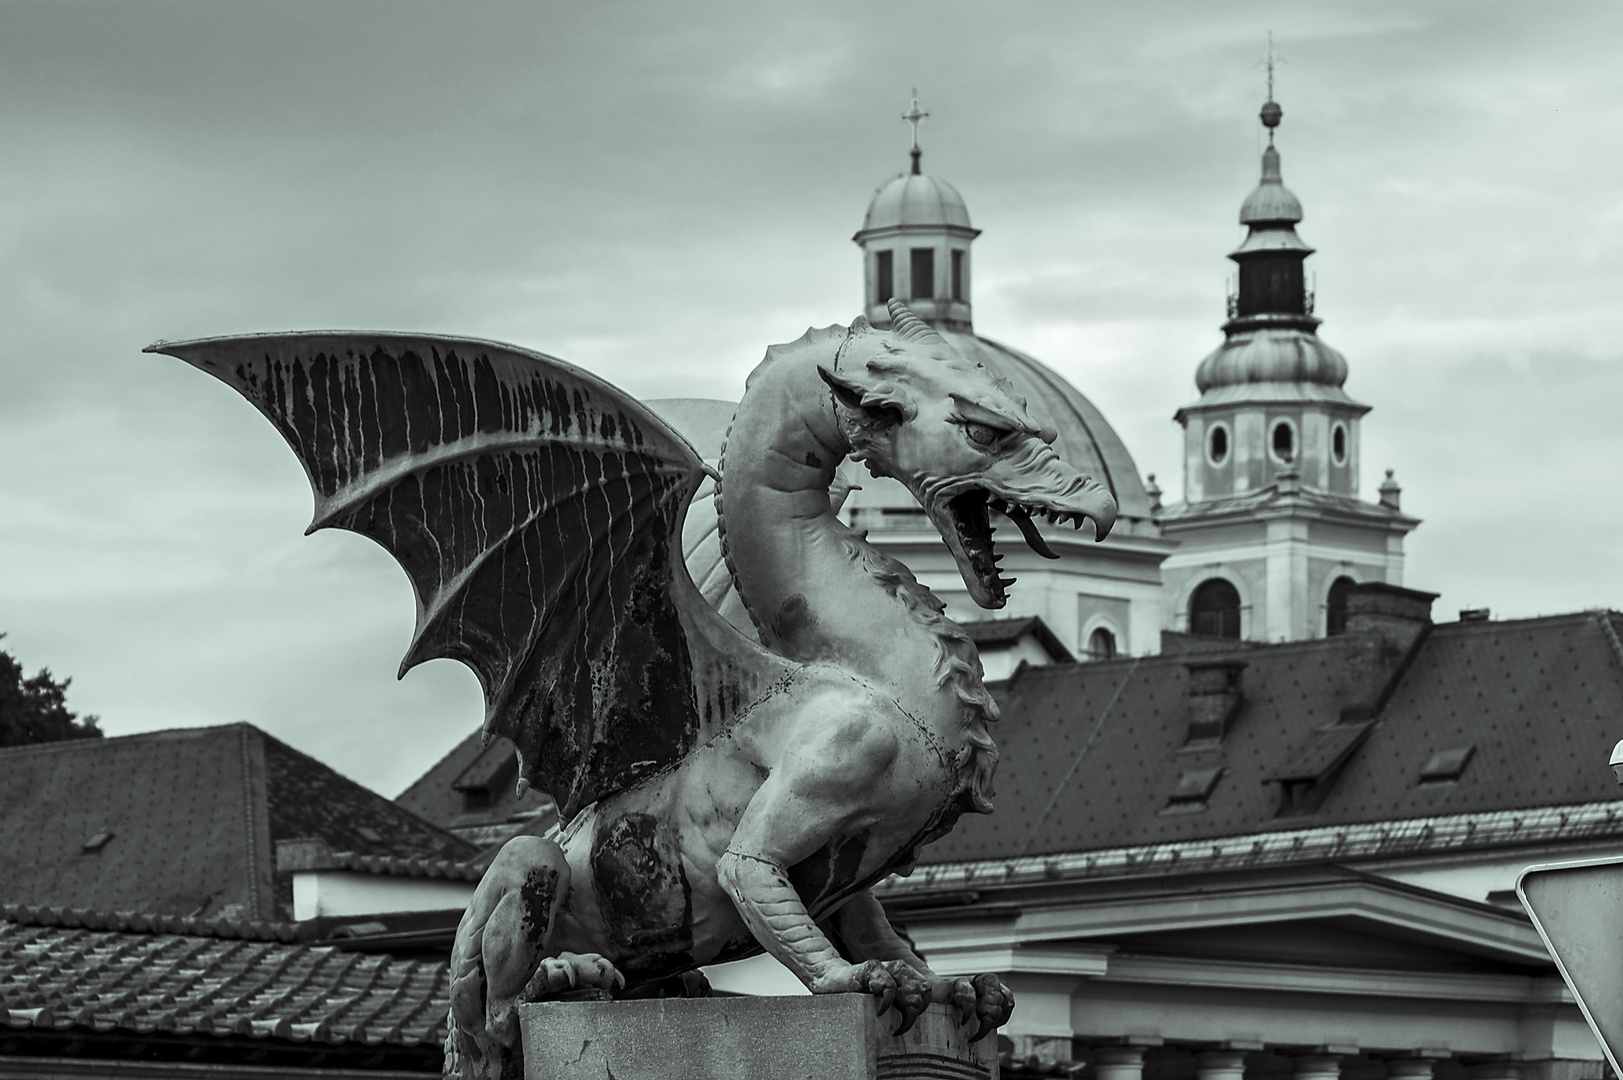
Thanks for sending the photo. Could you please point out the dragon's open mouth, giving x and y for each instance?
(972, 520)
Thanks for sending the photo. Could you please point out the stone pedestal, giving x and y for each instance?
(822, 1037)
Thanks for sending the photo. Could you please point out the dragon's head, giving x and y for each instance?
(960, 439)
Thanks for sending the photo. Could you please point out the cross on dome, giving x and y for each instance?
(913, 116)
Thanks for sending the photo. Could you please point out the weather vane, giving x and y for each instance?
(913, 116)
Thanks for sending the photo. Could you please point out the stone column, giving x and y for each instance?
(1220, 1065)
(1318, 1067)
(1118, 1063)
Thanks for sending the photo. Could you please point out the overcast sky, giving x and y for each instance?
(659, 191)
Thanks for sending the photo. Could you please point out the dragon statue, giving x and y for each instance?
(722, 796)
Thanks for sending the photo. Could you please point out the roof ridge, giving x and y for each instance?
(136, 922)
(136, 736)
(1471, 830)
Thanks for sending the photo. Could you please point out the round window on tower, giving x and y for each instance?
(1338, 443)
(1282, 443)
(1217, 445)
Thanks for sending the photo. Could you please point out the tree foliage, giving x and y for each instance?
(35, 710)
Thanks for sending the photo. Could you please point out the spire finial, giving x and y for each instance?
(1271, 112)
(913, 116)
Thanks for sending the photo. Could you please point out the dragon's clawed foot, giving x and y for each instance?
(896, 983)
(568, 971)
(983, 998)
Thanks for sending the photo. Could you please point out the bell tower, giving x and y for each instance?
(1272, 531)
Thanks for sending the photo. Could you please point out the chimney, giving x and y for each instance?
(1214, 699)
(1385, 627)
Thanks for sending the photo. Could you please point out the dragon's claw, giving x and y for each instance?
(994, 1003)
(898, 985)
(572, 971)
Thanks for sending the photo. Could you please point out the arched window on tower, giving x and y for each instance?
(923, 274)
(1101, 644)
(1214, 609)
(1335, 606)
(885, 277)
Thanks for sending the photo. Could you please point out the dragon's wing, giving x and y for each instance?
(538, 512)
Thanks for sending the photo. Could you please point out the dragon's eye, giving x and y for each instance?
(982, 434)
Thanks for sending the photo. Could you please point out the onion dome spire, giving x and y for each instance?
(1272, 332)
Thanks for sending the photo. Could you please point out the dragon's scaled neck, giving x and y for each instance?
(815, 589)
(818, 591)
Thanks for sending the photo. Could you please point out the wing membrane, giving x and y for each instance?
(538, 512)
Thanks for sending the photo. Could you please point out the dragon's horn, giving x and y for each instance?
(907, 325)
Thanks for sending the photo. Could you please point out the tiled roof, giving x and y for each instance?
(985, 632)
(58, 978)
(436, 797)
(1092, 753)
(185, 822)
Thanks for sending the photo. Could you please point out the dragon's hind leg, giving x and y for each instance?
(504, 955)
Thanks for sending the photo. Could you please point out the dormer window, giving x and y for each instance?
(923, 273)
(885, 276)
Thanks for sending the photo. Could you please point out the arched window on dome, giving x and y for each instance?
(1214, 609)
(1101, 644)
(1335, 606)
(885, 276)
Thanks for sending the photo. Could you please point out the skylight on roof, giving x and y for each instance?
(1446, 765)
(1195, 786)
(98, 841)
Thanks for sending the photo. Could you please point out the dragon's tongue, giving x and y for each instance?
(1028, 529)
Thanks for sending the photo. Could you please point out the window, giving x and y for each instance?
(957, 275)
(1335, 606)
(1284, 442)
(1338, 444)
(1101, 644)
(1214, 609)
(923, 270)
(1217, 445)
(886, 277)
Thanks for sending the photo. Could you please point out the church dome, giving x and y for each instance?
(1086, 440)
(916, 200)
(1274, 355)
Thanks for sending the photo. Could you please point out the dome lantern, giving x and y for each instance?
(915, 243)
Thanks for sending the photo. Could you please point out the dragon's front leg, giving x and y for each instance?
(831, 784)
(503, 955)
(774, 913)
